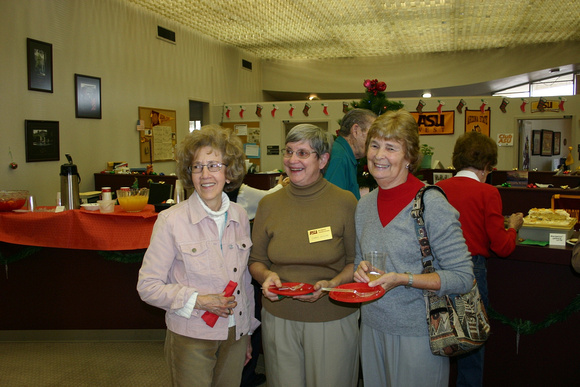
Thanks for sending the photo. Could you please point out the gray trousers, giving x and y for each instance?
(307, 354)
(397, 361)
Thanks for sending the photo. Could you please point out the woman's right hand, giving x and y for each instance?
(516, 221)
(361, 273)
(216, 303)
(272, 279)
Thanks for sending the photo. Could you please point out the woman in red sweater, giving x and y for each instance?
(482, 221)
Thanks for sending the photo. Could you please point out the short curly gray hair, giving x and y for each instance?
(220, 139)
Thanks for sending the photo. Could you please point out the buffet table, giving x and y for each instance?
(79, 229)
(74, 270)
(532, 289)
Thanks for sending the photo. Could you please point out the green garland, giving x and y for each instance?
(21, 254)
(526, 327)
(522, 327)
(121, 257)
(116, 256)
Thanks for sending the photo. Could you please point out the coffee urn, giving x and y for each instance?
(69, 185)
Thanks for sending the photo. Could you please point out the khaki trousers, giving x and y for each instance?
(311, 354)
(205, 363)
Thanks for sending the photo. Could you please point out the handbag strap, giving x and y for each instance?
(421, 231)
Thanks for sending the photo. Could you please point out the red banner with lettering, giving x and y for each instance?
(435, 123)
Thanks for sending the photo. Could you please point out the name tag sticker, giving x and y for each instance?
(319, 234)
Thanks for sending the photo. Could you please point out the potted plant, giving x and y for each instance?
(427, 152)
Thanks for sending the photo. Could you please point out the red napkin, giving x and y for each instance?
(210, 318)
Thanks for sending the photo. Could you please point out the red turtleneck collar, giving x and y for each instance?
(391, 201)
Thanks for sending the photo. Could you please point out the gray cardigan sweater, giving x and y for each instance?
(402, 311)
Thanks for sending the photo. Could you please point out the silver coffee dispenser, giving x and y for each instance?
(69, 185)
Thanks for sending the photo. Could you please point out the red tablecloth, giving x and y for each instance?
(79, 229)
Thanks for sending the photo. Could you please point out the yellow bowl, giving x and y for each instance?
(133, 200)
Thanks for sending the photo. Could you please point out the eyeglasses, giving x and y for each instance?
(213, 167)
(300, 153)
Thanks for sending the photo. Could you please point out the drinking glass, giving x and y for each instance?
(377, 259)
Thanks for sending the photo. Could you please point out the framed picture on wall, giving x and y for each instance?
(536, 142)
(556, 146)
(39, 63)
(547, 142)
(87, 96)
(42, 141)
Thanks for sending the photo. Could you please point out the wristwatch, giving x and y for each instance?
(410, 283)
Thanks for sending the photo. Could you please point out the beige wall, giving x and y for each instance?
(117, 43)
(272, 128)
(415, 72)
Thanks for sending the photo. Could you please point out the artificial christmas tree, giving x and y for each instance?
(376, 101)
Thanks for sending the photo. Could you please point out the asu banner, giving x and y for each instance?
(477, 121)
(435, 123)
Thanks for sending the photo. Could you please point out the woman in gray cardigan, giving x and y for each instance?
(395, 341)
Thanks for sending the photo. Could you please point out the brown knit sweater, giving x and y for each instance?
(280, 241)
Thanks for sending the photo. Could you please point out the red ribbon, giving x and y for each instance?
(211, 318)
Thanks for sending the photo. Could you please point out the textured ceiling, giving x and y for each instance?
(319, 29)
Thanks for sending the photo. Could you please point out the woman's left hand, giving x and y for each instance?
(388, 281)
(317, 294)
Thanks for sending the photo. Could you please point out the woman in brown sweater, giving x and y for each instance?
(308, 340)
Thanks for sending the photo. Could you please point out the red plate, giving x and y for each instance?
(292, 289)
(372, 293)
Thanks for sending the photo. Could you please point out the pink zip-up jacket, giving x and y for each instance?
(185, 255)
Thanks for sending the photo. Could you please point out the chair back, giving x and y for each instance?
(568, 203)
(159, 192)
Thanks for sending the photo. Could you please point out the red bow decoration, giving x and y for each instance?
(210, 318)
(374, 86)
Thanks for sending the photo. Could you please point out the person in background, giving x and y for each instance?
(482, 221)
(198, 248)
(348, 147)
(305, 233)
(576, 257)
(394, 334)
(249, 197)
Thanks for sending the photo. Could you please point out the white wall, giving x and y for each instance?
(116, 42)
(272, 128)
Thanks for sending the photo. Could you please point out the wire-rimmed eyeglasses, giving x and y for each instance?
(212, 167)
(300, 153)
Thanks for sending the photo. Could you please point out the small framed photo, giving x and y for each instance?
(536, 142)
(439, 176)
(39, 61)
(42, 140)
(87, 96)
(547, 142)
(557, 140)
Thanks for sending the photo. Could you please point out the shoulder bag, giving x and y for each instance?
(456, 324)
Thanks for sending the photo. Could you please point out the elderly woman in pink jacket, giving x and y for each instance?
(196, 266)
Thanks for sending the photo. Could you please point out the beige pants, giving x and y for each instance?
(311, 354)
(205, 363)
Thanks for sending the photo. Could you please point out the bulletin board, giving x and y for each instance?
(249, 133)
(158, 135)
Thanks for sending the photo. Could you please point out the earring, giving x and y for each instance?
(407, 166)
